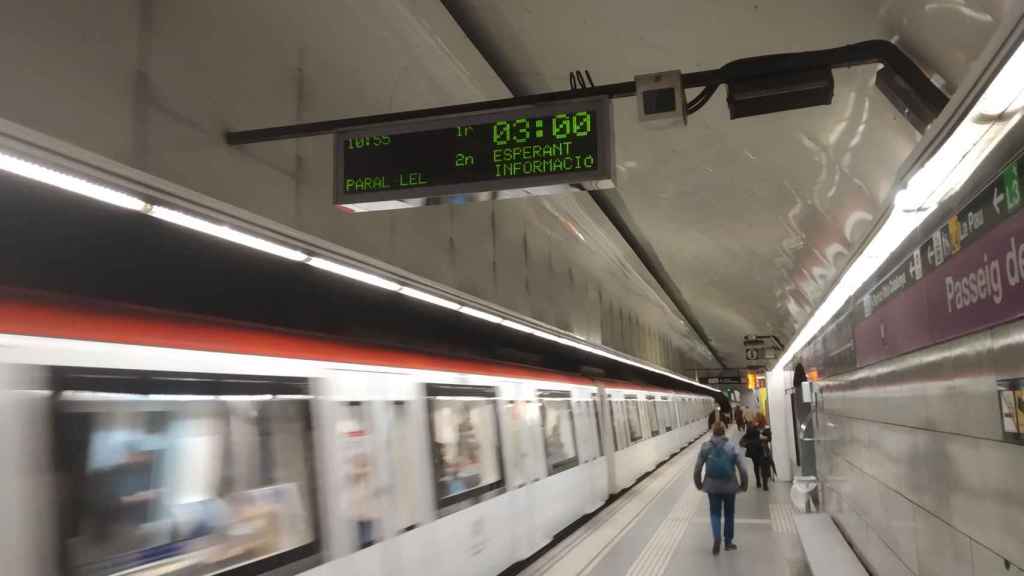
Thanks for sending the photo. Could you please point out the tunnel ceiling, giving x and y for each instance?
(717, 230)
(752, 219)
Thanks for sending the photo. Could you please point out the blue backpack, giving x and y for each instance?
(719, 462)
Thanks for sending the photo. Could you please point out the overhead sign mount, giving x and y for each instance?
(429, 161)
(567, 142)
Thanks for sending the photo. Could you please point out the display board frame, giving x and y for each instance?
(599, 177)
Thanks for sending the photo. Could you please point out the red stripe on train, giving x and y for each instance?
(31, 314)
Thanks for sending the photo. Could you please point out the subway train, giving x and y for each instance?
(139, 443)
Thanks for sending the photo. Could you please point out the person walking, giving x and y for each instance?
(754, 443)
(718, 464)
(741, 421)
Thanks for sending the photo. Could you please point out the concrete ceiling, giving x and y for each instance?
(751, 219)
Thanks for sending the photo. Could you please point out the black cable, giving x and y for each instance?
(701, 99)
(577, 81)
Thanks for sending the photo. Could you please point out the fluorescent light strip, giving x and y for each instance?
(245, 398)
(90, 395)
(180, 397)
(517, 326)
(995, 113)
(469, 311)
(354, 274)
(429, 298)
(67, 182)
(225, 233)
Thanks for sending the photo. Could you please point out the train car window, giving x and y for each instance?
(595, 403)
(633, 419)
(559, 430)
(165, 473)
(465, 444)
(652, 416)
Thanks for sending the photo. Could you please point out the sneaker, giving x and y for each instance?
(730, 546)
(716, 547)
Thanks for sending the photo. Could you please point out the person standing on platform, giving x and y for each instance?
(741, 421)
(712, 418)
(718, 465)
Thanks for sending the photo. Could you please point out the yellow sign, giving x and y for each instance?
(751, 381)
(954, 233)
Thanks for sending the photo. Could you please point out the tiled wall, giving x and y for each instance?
(916, 470)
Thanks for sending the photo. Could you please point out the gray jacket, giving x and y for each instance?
(720, 485)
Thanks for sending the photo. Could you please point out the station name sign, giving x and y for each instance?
(566, 142)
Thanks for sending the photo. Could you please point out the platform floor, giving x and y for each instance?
(661, 527)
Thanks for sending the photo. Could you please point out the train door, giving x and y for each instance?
(374, 475)
(401, 446)
(27, 482)
(633, 420)
(595, 406)
(524, 460)
(606, 436)
(583, 415)
(356, 432)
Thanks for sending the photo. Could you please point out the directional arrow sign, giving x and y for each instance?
(997, 199)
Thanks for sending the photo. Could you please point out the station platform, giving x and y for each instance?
(661, 526)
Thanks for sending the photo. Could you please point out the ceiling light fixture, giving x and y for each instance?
(429, 298)
(226, 233)
(518, 327)
(354, 274)
(995, 113)
(67, 182)
(470, 311)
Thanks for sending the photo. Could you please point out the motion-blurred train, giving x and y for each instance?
(136, 443)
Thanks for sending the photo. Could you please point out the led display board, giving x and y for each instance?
(566, 142)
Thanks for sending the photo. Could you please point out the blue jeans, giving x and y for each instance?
(717, 501)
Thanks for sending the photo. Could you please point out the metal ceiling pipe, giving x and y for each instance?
(863, 53)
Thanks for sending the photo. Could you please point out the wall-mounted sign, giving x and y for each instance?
(968, 275)
(1011, 408)
(721, 380)
(567, 142)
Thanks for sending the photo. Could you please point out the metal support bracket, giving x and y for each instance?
(883, 52)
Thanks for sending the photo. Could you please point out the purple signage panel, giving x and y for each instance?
(900, 325)
(981, 286)
(969, 275)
